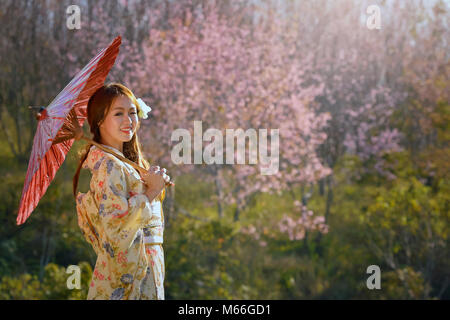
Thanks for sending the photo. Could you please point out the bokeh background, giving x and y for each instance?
(364, 143)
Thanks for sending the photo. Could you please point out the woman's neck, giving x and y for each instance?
(118, 146)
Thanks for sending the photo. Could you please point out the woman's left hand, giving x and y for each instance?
(163, 172)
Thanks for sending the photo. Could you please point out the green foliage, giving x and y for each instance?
(24, 287)
(52, 287)
(400, 225)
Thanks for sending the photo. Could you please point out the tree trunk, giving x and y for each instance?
(322, 187)
(8, 138)
(238, 209)
(219, 192)
(329, 181)
(170, 200)
(43, 253)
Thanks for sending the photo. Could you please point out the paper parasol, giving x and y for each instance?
(51, 143)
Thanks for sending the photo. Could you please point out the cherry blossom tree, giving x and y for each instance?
(232, 75)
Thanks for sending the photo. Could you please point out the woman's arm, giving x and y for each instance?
(121, 216)
(152, 194)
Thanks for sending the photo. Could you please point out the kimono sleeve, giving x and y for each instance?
(121, 216)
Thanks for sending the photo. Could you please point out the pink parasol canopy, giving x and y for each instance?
(51, 143)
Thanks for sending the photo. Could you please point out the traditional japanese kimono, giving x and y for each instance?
(124, 229)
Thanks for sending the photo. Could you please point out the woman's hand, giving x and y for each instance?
(155, 180)
(163, 172)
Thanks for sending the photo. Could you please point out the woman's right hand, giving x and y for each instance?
(155, 183)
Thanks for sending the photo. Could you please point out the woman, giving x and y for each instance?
(121, 215)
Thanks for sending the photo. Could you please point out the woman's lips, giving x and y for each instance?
(126, 130)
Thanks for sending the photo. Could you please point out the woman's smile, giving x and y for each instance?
(127, 131)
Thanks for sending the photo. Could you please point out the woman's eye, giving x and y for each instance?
(120, 113)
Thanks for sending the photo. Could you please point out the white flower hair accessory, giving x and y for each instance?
(143, 109)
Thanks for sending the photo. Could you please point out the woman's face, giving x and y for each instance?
(120, 123)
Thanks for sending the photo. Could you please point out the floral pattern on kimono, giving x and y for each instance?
(118, 220)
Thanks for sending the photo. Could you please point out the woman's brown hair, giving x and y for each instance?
(97, 109)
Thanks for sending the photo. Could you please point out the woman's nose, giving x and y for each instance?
(129, 119)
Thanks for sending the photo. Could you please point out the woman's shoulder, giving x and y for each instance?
(97, 157)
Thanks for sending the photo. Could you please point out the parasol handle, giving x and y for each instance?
(141, 170)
